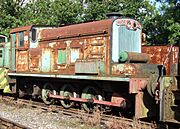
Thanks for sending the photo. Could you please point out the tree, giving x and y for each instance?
(45, 12)
(52, 12)
(173, 14)
(164, 26)
(10, 11)
(97, 9)
(161, 26)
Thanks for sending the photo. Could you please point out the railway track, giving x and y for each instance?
(8, 124)
(96, 117)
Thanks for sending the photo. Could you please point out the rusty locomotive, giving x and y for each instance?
(94, 64)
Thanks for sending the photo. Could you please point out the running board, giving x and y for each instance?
(83, 77)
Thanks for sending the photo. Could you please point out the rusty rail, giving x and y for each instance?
(94, 118)
(8, 124)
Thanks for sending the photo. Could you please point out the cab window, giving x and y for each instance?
(21, 39)
(34, 35)
(2, 39)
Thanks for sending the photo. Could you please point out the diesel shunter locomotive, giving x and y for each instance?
(94, 64)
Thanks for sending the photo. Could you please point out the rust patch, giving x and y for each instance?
(78, 30)
(23, 28)
(35, 58)
(22, 61)
(89, 48)
(135, 69)
(123, 69)
(118, 99)
(158, 55)
(137, 84)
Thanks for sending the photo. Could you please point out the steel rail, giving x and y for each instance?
(9, 124)
(84, 116)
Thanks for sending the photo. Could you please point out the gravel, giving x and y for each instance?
(39, 119)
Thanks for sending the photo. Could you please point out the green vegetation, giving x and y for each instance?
(161, 25)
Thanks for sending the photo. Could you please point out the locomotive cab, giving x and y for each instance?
(24, 40)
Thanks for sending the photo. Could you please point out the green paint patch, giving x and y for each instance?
(61, 56)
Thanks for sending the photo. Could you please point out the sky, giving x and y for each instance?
(158, 4)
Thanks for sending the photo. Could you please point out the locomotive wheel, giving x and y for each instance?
(67, 91)
(89, 93)
(47, 88)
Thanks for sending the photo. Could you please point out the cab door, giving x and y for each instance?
(22, 46)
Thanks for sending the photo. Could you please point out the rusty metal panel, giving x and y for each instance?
(86, 41)
(21, 61)
(137, 84)
(27, 28)
(22, 55)
(158, 55)
(78, 30)
(96, 49)
(89, 67)
(135, 69)
(123, 69)
(144, 104)
(35, 59)
(67, 52)
(19, 29)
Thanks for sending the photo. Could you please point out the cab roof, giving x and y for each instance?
(26, 28)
